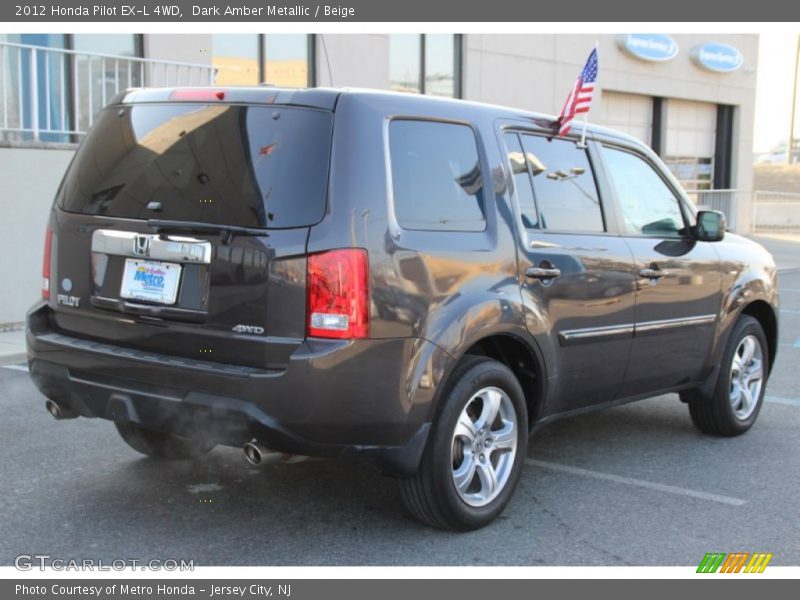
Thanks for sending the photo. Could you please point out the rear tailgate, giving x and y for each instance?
(235, 189)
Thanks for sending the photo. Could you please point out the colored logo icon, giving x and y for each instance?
(735, 562)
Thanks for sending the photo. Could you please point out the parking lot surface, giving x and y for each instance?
(633, 485)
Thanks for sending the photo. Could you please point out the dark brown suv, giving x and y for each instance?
(412, 282)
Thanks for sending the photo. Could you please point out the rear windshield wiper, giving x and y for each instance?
(227, 231)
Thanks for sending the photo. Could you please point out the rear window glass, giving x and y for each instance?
(252, 166)
(436, 176)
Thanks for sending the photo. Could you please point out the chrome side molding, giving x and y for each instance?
(151, 246)
(569, 337)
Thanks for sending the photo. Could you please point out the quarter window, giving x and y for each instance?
(564, 188)
(436, 176)
(649, 207)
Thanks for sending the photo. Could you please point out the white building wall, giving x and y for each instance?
(30, 179)
(355, 61)
(189, 47)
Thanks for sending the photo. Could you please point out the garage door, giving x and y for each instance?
(629, 113)
(691, 131)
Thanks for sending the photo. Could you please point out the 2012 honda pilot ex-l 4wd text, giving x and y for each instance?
(413, 282)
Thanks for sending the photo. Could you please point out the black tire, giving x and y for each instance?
(716, 415)
(431, 494)
(157, 444)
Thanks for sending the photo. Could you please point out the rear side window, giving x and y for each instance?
(436, 176)
(253, 166)
(564, 189)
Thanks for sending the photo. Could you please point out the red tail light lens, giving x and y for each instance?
(48, 245)
(338, 294)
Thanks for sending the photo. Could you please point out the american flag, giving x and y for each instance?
(580, 97)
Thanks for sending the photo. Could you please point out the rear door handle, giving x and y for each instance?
(542, 273)
(652, 273)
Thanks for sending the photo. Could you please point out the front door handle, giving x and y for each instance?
(652, 273)
(542, 273)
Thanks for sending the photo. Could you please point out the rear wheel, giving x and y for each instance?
(157, 444)
(476, 451)
(734, 405)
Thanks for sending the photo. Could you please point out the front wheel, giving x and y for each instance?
(737, 398)
(157, 444)
(476, 451)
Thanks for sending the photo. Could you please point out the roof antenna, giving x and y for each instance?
(327, 59)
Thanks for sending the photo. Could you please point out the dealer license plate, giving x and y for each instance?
(150, 280)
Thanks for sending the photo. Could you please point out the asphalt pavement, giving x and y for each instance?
(633, 485)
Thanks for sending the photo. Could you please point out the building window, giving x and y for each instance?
(104, 76)
(236, 58)
(425, 64)
(285, 60)
(289, 60)
(67, 89)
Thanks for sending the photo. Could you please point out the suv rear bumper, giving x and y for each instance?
(337, 398)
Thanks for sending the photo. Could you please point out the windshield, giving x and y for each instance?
(254, 166)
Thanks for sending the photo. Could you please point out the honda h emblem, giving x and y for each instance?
(141, 245)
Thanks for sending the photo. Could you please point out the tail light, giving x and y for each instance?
(48, 244)
(338, 294)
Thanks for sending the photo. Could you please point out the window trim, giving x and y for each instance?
(395, 228)
(608, 217)
(679, 197)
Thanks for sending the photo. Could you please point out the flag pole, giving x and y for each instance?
(586, 114)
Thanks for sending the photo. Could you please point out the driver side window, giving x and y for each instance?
(649, 207)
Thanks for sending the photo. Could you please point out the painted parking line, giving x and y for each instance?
(649, 485)
(15, 368)
(791, 311)
(782, 400)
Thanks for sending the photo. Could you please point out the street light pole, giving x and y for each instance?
(790, 147)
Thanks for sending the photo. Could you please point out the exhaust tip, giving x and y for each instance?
(253, 453)
(54, 409)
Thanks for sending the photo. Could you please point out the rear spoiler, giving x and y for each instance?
(319, 98)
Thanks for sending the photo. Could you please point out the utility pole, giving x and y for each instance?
(790, 147)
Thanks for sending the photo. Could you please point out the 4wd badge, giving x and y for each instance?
(254, 329)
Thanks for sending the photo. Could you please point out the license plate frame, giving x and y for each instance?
(152, 281)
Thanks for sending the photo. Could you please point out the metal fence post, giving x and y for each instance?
(34, 105)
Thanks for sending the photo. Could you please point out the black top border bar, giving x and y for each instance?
(176, 11)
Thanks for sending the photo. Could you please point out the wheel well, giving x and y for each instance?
(765, 315)
(521, 359)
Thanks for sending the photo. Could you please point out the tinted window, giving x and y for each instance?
(522, 181)
(648, 205)
(563, 185)
(436, 176)
(233, 165)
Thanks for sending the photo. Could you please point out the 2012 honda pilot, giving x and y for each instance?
(412, 282)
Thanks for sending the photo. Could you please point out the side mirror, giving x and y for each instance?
(711, 226)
